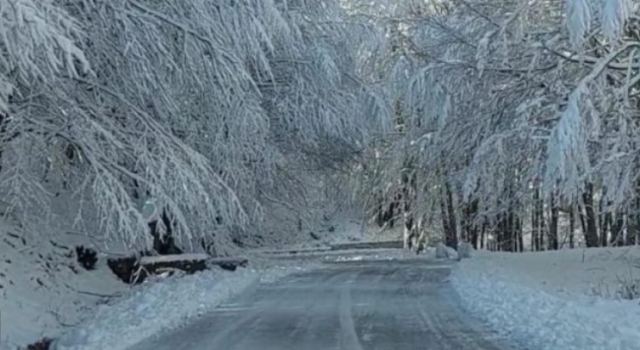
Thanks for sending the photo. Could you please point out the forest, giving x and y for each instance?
(514, 123)
(215, 126)
(507, 124)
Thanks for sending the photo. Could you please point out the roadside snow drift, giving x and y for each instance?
(43, 288)
(155, 307)
(555, 300)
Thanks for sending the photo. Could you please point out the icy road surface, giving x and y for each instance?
(388, 305)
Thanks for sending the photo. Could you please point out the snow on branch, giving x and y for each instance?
(578, 20)
(194, 104)
(567, 162)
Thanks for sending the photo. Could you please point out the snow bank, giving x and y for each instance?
(43, 289)
(546, 300)
(465, 250)
(445, 252)
(154, 307)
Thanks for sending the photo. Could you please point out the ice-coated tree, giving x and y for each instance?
(194, 105)
(477, 118)
(507, 101)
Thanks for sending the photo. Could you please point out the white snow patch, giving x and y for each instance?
(445, 252)
(43, 289)
(465, 250)
(551, 300)
(154, 307)
(350, 258)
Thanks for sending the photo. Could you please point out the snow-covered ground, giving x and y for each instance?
(43, 288)
(45, 292)
(556, 300)
(154, 307)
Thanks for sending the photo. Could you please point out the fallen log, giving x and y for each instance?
(230, 264)
(155, 265)
(124, 268)
(135, 270)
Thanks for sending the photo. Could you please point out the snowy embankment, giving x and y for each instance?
(155, 307)
(44, 290)
(556, 300)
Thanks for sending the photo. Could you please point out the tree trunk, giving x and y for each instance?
(572, 228)
(617, 227)
(541, 223)
(408, 230)
(633, 222)
(537, 220)
(483, 234)
(553, 224)
(534, 222)
(407, 220)
(3, 130)
(605, 226)
(451, 239)
(470, 228)
(474, 237)
(604, 219)
(499, 234)
(464, 223)
(510, 233)
(409, 189)
(163, 242)
(506, 242)
(581, 216)
(519, 234)
(390, 215)
(590, 227)
(380, 211)
(445, 217)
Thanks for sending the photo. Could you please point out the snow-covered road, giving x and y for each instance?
(349, 305)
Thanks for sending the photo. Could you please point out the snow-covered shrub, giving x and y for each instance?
(452, 254)
(628, 289)
(441, 251)
(445, 252)
(465, 250)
